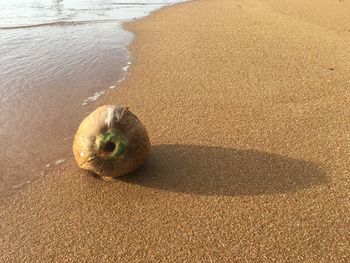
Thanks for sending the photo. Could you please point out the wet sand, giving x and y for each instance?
(247, 109)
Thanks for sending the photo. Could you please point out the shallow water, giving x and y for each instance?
(26, 13)
(56, 59)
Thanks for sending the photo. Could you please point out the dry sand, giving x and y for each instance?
(248, 111)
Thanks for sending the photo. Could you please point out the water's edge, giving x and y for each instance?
(87, 105)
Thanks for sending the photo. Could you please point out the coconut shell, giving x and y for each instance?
(111, 141)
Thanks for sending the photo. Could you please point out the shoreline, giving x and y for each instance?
(78, 67)
(249, 158)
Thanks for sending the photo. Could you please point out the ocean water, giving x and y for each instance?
(57, 58)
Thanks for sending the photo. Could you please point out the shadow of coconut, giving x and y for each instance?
(222, 171)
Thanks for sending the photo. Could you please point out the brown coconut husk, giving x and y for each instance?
(111, 142)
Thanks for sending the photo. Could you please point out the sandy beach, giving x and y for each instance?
(247, 107)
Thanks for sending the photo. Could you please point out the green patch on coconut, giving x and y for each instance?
(111, 145)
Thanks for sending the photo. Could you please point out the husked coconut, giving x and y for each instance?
(111, 141)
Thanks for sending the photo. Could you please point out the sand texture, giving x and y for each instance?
(247, 108)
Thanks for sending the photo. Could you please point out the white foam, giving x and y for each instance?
(126, 67)
(93, 98)
(60, 161)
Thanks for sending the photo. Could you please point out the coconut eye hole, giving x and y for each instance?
(109, 147)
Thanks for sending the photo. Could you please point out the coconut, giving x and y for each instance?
(111, 141)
